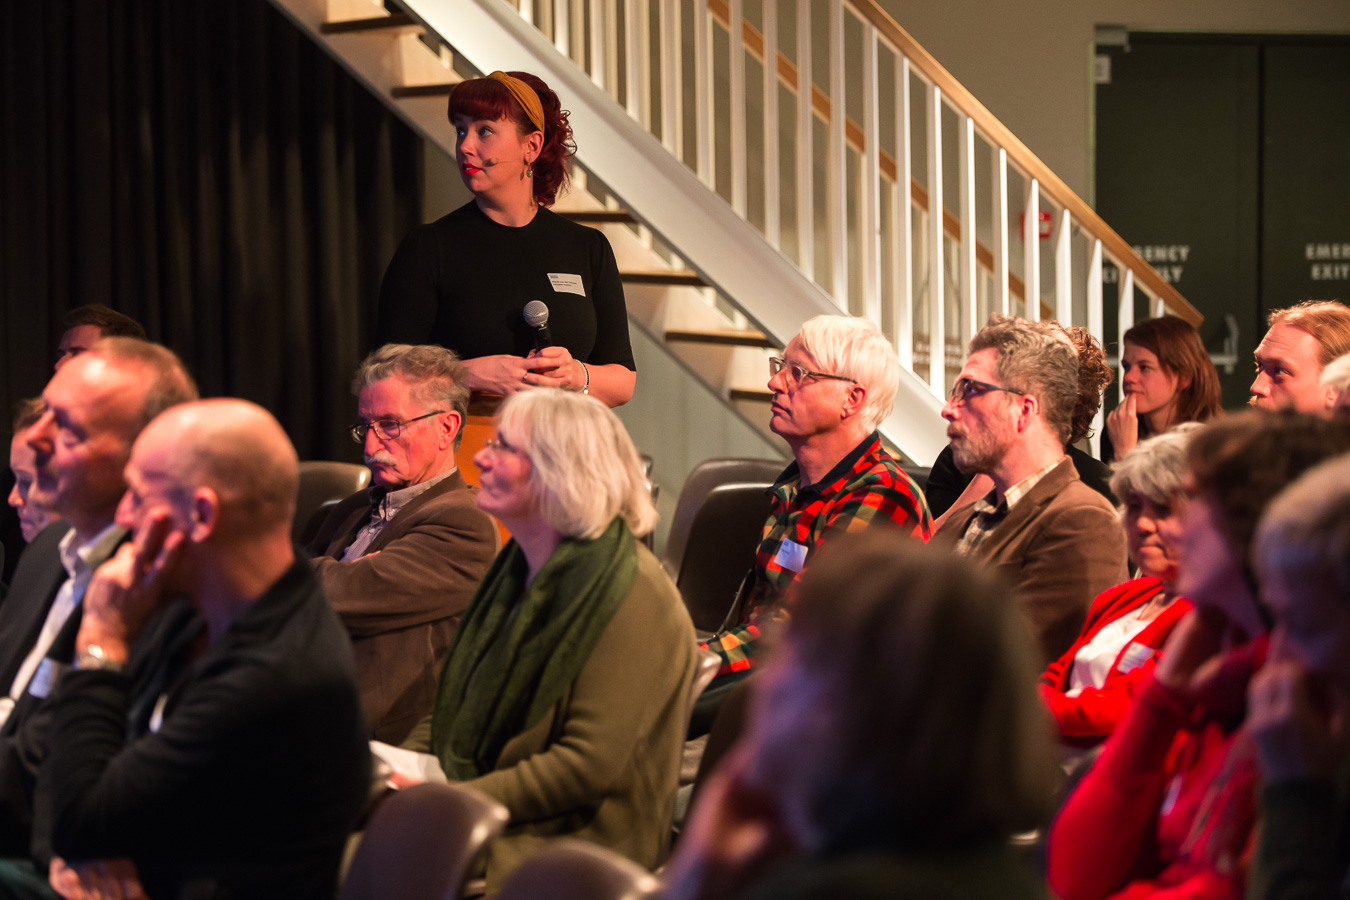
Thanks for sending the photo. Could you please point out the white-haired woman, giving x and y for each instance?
(1089, 689)
(563, 695)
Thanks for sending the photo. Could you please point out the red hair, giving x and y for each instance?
(1181, 355)
(483, 98)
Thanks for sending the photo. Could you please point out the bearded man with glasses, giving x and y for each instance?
(832, 387)
(400, 561)
(1056, 540)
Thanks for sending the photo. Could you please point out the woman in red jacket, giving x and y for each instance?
(1167, 810)
(1090, 687)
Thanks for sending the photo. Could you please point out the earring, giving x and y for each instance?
(529, 171)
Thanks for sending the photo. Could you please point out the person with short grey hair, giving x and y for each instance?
(1090, 687)
(401, 560)
(1056, 539)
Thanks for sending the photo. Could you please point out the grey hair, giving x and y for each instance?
(1154, 467)
(1304, 533)
(586, 470)
(856, 348)
(435, 375)
(1039, 359)
(1336, 374)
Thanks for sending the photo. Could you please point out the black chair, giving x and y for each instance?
(569, 869)
(323, 482)
(715, 532)
(423, 843)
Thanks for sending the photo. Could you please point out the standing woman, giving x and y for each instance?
(463, 281)
(1167, 377)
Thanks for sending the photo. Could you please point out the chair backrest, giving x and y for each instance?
(423, 843)
(715, 532)
(322, 481)
(704, 673)
(569, 869)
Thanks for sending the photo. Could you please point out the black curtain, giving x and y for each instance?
(203, 167)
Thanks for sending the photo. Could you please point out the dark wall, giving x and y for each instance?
(203, 167)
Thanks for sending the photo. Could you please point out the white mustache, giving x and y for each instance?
(385, 459)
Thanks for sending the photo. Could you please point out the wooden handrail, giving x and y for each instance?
(1019, 155)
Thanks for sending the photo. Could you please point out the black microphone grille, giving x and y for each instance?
(536, 313)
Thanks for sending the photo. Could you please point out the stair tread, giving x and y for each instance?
(373, 23)
(738, 337)
(597, 215)
(421, 90)
(749, 393)
(662, 276)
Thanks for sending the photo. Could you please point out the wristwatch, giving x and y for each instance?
(95, 657)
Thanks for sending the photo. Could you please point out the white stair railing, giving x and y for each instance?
(929, 287)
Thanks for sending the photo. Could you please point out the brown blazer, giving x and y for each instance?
(401, 601)
(1059, 547)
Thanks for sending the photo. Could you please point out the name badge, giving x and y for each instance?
(45, 678)
(1135, 656)
(567, 284)
(791, 556)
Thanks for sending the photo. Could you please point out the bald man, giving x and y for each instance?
(247, 773)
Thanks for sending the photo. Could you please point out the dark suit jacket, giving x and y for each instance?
(401, 606)
(1059, 547)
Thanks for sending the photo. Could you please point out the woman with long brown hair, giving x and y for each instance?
(1168, 379)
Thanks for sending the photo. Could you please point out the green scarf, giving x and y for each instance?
(519, 648)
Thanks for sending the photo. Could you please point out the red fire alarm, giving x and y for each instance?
(1044, 219)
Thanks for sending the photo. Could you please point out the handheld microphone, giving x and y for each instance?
(536, 316)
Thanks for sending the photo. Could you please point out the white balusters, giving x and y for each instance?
(672, 97)
(806, 207)
(836, 172)
(737, 78)
(1125, 315)
(771, 170)
(869, 205)
(1094, 325)
(1031, 245)
(1001, 300)
(903, 212)
(936, 305)
(966, 213)
(562, 18)
(703, 82)
(1064, 269)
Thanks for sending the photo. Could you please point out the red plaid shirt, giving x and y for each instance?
(865, 486)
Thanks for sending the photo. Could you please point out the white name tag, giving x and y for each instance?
(791, 556)
(1135, 656)
(45, 678)
(567, 284)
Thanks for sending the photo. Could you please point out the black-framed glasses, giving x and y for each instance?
(386, 429)
(967, 389)
(800, 373)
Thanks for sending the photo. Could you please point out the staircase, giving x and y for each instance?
(739, 203)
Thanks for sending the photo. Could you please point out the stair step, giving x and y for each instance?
(420, 90)
(760, 395)
(731, 337)
(598, 216)
(682, 278)
(391, 22)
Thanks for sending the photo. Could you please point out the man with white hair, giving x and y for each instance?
(1057, 541)
(832, 387)
(1336, 377)
(247, 773)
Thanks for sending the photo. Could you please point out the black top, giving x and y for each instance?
(945, 481)
(253, 781)
(463, 281)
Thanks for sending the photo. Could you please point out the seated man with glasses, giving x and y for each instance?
(834, 384)
(400, 561)
(1057, 541)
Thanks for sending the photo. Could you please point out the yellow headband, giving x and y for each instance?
(525, 96)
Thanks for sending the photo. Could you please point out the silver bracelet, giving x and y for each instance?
(586, 388)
